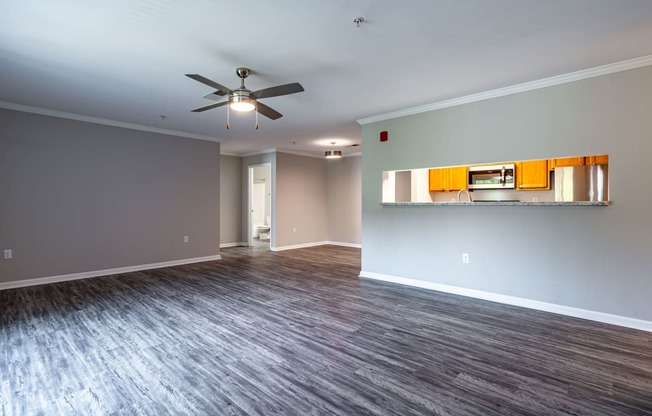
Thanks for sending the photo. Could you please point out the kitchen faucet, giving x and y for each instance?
(467, 194)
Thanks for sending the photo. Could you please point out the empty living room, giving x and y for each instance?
(325, 208)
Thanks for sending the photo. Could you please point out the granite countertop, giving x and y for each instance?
(501, 203)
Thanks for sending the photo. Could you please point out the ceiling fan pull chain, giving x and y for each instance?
(228, 126)
(256, 110)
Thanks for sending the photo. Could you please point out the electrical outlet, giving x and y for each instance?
(535, 199)
(8, 254)
(185, 239)
(294, 229)
(465, 258)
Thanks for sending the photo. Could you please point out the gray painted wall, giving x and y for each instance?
(344, 195)
(300, 200)
(77, 197)
(585, 257)
(230, 199)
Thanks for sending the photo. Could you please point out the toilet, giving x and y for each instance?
(264, 231)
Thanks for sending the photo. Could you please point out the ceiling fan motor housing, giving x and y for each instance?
(242, 72)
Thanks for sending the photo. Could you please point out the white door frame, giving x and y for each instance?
(250, 192)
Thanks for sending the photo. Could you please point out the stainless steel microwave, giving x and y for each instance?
(491, 177)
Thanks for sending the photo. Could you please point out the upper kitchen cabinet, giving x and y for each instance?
(438, 180)
(457, 178)
(568, 161)
(447, 179)
(597, 160)
(578, 161)
(532, 175)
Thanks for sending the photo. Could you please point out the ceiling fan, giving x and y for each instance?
(242, 98)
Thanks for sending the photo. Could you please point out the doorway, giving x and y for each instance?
(259, 229)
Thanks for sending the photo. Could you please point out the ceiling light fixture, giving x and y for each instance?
(241, 100)
(358, 20)
(333, 154)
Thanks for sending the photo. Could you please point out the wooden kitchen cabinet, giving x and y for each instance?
(438, 179)
(447, 179)
(597, 160)
(569, 161)
(578, 161)
(458, 179)
(532, 175)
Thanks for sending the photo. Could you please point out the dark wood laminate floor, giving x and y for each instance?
(297, 333)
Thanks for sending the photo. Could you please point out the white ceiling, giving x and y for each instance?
(125, 60)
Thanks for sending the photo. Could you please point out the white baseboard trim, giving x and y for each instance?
(516, 301)
(315, 244)
(305, 245)
(339, 243)
(105, 272)
(227, 245)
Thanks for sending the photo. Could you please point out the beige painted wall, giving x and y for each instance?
(231, 199)
(344, 196)
(301, 202)
(78, 197)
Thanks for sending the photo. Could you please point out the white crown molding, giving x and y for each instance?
(258, 152)
(229, 154)
(516, 301)
(515, 89)
(320, 155)
(105, 272)
(352, 154)
(104, 121)
(291, 152)
(299, 153)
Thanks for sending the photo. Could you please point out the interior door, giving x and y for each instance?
(258, 207)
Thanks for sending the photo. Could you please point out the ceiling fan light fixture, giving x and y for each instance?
(243, 99)
(241, 103)
(241, 106)
(333, 154)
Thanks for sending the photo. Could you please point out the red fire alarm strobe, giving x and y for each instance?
(383, 136)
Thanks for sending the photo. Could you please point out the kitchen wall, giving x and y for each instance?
(590, 258)
(231, 200)
(80, 197)
(344, 181)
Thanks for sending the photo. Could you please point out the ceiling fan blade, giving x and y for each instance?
(279, 90)
(267, 111)
(215, 95)
(209, 82)
(209, 107)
